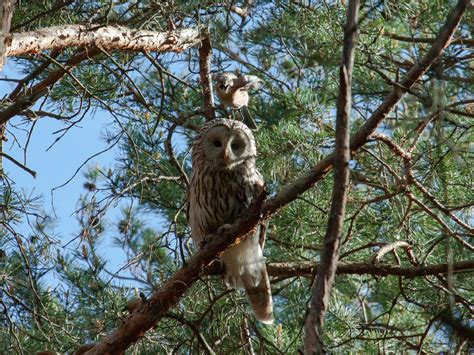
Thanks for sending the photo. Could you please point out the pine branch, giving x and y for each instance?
(172, 291)
(106, 37)
(321, 291)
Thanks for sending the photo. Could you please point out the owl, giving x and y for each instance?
(224, 183)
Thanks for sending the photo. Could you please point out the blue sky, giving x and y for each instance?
(57, 165)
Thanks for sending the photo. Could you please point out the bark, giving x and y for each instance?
(321, 291)
(308, 269)
(172, 291)
(205, 53)
(176, 41)
(6, 12)
(106, 37)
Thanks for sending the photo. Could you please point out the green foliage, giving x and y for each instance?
(155, 112)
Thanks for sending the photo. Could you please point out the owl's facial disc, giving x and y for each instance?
(225, 148)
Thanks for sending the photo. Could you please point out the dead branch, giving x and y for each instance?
(107, 37)
(177, 41)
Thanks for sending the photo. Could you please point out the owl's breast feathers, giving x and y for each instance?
(218, 197)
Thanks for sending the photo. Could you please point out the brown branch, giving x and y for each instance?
(308, 268)
(205, 52)
(6, 12)
(106, 37)
(321, 292)
(29, 96)
(17, 163)
(173, 289)
(170, 41)
(467, 41)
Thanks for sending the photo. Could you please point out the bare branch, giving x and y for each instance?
(205, 52)
(461, 40)
(321, 292)
(6, 12)
(177, 40)
(308, 268)
(106, 37)
(388, 248)
(17, 163)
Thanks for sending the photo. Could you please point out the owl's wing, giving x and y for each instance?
(263, 233)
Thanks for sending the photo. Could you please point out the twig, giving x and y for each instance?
(172, 158)
(17, 163)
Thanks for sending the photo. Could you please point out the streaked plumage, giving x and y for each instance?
(224, 183)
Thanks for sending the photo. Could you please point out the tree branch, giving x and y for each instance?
(461, 40)
(308, 268)
(321, 291)
(177, 41)
(205, 52)
(106, 37)
(172, 291)
(6, 12)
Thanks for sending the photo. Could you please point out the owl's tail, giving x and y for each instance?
(245, 269)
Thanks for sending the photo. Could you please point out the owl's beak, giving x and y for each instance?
(225, 156)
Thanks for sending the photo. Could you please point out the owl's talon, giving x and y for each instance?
(225, 227)
(204, 242)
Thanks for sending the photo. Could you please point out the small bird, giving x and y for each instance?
(224, 183)
(232, 90)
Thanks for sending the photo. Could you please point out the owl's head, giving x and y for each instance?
(225, 144)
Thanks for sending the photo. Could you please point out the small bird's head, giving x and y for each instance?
(225, 81)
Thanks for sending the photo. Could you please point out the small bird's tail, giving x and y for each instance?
(247, 117)
(245, 269)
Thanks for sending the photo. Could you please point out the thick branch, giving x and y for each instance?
(308, 268)
(467, 41)
(171, 292)
(321, 291)
(205, 52)
(106, 37)
(6, 12)
(177, 41)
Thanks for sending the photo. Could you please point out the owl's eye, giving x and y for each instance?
(235, 146)
(217, 143)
